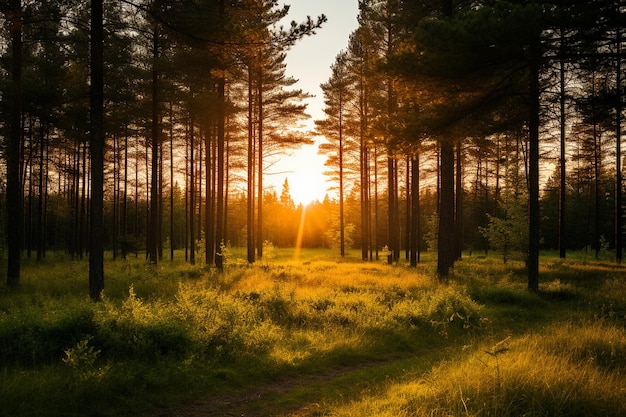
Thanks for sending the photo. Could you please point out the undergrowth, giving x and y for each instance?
(174, 332)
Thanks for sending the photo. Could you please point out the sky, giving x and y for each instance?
(309, 62)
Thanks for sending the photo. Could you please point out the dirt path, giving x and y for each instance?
(287, 396)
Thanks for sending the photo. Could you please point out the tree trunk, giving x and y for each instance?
(14, 194)
(259, 225)
(445, 245)
(562, 182)
(251, 159)
(96, 229)
(342, 248)
(532, 262)
(458, 220)
(192, 191)
(219, 221)
(415, 210)
(154, 182)
(618, 151)
(209, 215)
(171, 182)
(124, 214)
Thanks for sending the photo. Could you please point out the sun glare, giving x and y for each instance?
(307, 187)
(304, 170)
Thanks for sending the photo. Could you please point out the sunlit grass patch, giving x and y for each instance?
(558, 373)
(182, 324)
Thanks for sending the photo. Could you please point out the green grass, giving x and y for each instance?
(323, 335)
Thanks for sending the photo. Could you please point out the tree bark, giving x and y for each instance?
(14, 194)
(154, 182)
(219, 221)
(96, 229)
(532, 261)
(618, 151)
(415, 210)
(562, 182)
(445, 241)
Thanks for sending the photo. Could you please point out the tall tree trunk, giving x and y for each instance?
(259, 235)
(171, 182)
(41, 193)
(209, 214)
(96, 221)
(458, 219)
(376, 208)
(187, 185)
(532, 261)
(221, 122)
(415, 210)
(14, 194)
(618, 150)
(445, 245)
(364, 190)
(160, 203)
(251, 159)
(192, 191)
(124, 214)
(342, 248)
(562, 179)
(115, 194)
(154, 182)
(596, 174)
(392, 235)
(221, 125)
(81, 200)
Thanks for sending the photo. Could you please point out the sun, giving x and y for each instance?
(307, 186)
(304, 170)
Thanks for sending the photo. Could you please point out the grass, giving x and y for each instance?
(347, 338)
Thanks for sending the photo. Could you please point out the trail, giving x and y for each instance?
(286, 396)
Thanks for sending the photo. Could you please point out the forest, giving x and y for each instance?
(450, 126)
(467, 260)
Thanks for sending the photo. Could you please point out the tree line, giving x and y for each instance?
(150, 125)
(483, 93)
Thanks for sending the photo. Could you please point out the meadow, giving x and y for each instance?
(316, 335)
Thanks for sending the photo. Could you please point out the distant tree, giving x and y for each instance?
(337, 94)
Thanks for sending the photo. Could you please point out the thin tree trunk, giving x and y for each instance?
(154, 183)
(40, 192)
(415, 210)
(171, 182)
(260, 165)
(115, 194)
(342, 249)
(14, 194)
(407, 237)
(160, 204)
(532, 262)
(192, 192)
(124, 219)
(458, 220)
(562, 182)
(618, 152)
(209, 227)
(82, 203)
(96, 229)
(376, 244)
(221, 121)
(251, 159)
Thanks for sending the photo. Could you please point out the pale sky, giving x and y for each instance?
(309, 61)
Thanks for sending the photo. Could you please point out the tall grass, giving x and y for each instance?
(173, 332)
(564, 371)
(173, 321)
